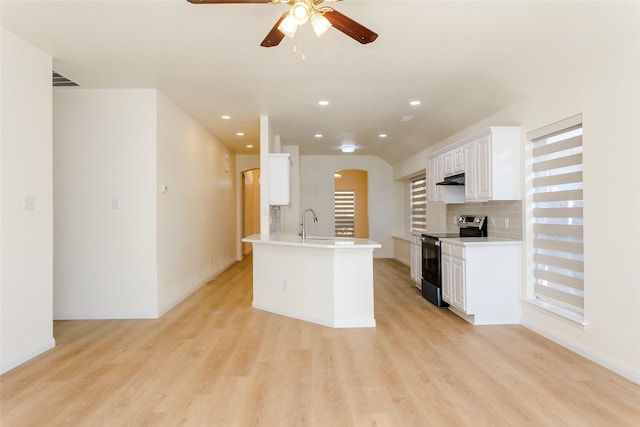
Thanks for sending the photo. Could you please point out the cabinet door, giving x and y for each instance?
(445, 273)
(484, 168)
(416, 263)
(458, 284)
(458, 160)
(279, 179)
(439, 178)
(469, 151)
(448, 163)
(431, 181)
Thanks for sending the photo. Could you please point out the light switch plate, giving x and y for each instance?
(29, 202)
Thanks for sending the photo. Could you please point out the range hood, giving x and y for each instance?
(457, 179)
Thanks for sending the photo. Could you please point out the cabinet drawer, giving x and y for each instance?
(457, 251)
(445, 248)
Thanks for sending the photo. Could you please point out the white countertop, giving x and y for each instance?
(313, 241)
(471, 241)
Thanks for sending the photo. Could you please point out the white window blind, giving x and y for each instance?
(418, 204)
(558, 259)
(344, 212)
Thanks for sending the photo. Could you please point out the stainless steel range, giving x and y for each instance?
(469, 226)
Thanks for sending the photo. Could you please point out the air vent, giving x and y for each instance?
(60, 80)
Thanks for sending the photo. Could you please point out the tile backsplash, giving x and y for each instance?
(504, 217)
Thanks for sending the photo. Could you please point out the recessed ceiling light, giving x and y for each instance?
(382, 135)
(323, 103)
(240, 133)
(249, 146)
(406, 118)
(348, 149)
(318, 135)
(414, 103)
(225, 117)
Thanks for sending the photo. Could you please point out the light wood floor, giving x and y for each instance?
(214, 361)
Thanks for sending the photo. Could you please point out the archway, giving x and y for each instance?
(351, 203)
(250, 206)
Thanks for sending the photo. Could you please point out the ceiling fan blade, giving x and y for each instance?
(356, 31)
(227, 1)
(275, 36)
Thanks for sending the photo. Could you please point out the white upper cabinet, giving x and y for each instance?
(453, 162)
(279, 179)
(458, 160)
(491, 162)
(435, 169)
(440, 193)
(492, 166)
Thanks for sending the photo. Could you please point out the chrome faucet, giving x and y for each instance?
(303, 232)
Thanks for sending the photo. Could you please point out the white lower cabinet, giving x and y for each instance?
(481, 280)
(416, 260)
(459, 299)
(445, 272)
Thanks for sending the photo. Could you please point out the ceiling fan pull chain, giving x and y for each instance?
(295, 48)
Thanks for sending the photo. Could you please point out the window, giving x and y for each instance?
(344, 212)
(558, 260)
(418, 204)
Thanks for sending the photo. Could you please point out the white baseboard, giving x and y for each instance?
(403, 261)
(27, 355)
(105, 316)
(177, 299)
(602, 360)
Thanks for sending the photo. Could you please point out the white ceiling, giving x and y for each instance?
(463, 60)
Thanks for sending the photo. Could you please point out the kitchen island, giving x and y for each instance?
(324, 280)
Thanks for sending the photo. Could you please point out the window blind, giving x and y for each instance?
(344, 212)
(557, 219)
(418, 204)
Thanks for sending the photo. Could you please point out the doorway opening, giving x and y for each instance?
(250, 206)
(351, 203)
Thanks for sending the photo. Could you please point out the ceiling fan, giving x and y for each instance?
(301, 11)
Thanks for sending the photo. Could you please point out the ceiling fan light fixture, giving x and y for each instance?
(299, 12)
(288, 26)
(319, 23)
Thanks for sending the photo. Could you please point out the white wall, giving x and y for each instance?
(197, 215)
(26, 236)
(104, 154)
(607, 94)
(385, 196)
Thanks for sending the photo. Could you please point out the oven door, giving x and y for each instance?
(431, 260)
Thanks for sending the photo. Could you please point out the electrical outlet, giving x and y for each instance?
(284, 286)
